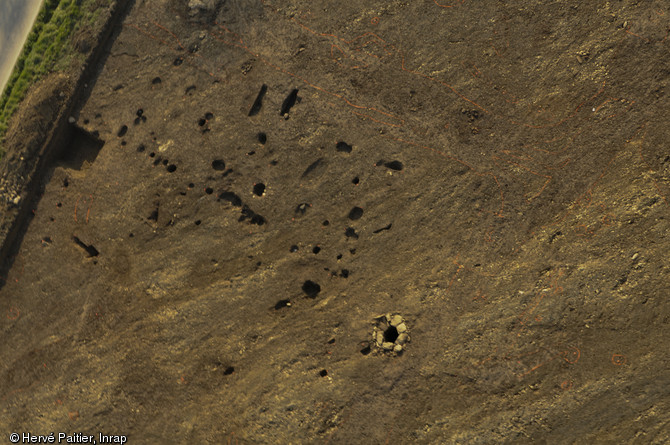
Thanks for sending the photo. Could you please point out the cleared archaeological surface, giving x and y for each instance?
(253, 190)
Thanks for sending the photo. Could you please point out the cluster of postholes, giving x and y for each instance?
(390, 333)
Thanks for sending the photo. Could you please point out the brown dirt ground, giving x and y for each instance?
(512, 167)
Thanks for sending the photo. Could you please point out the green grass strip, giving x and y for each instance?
(47, 42)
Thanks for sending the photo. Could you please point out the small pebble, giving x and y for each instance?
(402, 339)
(397, 348)
(388, 345)
(401, 328)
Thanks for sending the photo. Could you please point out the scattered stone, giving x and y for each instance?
(401, 328)
(302, 208)
(196, 6)
(402, 339)
(202, 10)
(583, 56)
(397, 348)
(387, 345)
(395, 321)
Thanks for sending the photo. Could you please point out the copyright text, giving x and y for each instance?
(67, 438)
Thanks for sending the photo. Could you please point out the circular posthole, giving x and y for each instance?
(390, 333)
(311, 289)
(259, 189)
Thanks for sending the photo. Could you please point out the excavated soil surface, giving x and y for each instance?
(254, 189)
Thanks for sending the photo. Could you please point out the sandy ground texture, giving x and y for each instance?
(436, 221)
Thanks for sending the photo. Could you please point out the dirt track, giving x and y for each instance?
(209, 257)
